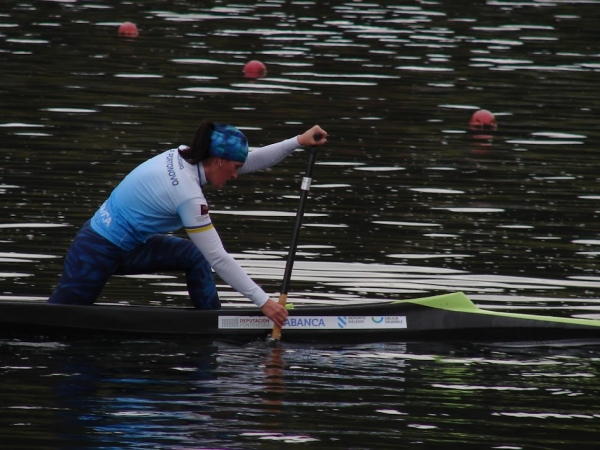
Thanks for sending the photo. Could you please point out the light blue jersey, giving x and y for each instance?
(146, 201)
(164, 194)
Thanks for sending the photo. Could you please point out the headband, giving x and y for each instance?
(229, 143)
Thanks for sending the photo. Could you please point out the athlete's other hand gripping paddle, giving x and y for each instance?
(318, 138)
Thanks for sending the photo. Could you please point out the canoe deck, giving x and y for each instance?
(449, 316)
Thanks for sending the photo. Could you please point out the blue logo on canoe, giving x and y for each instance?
(379, 320)
(342, 321)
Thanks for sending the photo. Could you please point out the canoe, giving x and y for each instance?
(450, 316)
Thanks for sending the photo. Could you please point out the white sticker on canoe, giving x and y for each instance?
(316, 322)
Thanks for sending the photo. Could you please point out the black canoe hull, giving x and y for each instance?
(450, 316)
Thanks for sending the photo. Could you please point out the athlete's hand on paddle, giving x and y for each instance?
(315, 136)
(274, 311)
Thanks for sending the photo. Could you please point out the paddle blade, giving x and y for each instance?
(276, 334)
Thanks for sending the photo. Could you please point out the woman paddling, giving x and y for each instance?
(126, 234)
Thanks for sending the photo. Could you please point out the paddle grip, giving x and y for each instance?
(282, 299)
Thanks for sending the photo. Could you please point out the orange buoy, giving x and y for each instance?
(128, 29)
(255, 69)
(483, 120)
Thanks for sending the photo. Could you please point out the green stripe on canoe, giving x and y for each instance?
(459, 302)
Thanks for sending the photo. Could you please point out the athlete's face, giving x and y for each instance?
(226, 170)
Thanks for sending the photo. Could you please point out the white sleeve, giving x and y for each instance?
(226, 267)
(206, 238)
(264, 157)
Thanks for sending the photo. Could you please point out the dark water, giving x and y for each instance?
(406, 202)
(181, 394)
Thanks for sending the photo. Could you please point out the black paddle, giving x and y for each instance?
(287, 275)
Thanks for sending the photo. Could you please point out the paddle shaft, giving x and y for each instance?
(287, 275)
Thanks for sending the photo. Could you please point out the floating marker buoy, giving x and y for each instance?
(482, 126)
(483, 120)
(255, 69)
(128, 29)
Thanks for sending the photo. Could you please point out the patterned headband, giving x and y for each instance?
(229, 143)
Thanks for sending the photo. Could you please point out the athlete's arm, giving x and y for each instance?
(264, 157)
(206, 238)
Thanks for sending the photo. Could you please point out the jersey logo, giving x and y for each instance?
(203, 210)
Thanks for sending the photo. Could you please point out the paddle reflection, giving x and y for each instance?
(274, 381)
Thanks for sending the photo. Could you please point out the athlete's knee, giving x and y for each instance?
(180, 253)
(195, 259)
(66, 296)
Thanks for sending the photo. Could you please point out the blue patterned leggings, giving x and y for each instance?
(92, 260)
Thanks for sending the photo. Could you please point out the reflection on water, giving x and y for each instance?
(180, 395)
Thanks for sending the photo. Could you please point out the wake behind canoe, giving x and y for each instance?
(450, 316)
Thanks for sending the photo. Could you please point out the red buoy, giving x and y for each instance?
(255, 69)
(483, 120)
(128, 29)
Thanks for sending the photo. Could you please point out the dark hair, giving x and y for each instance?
(200, 149)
